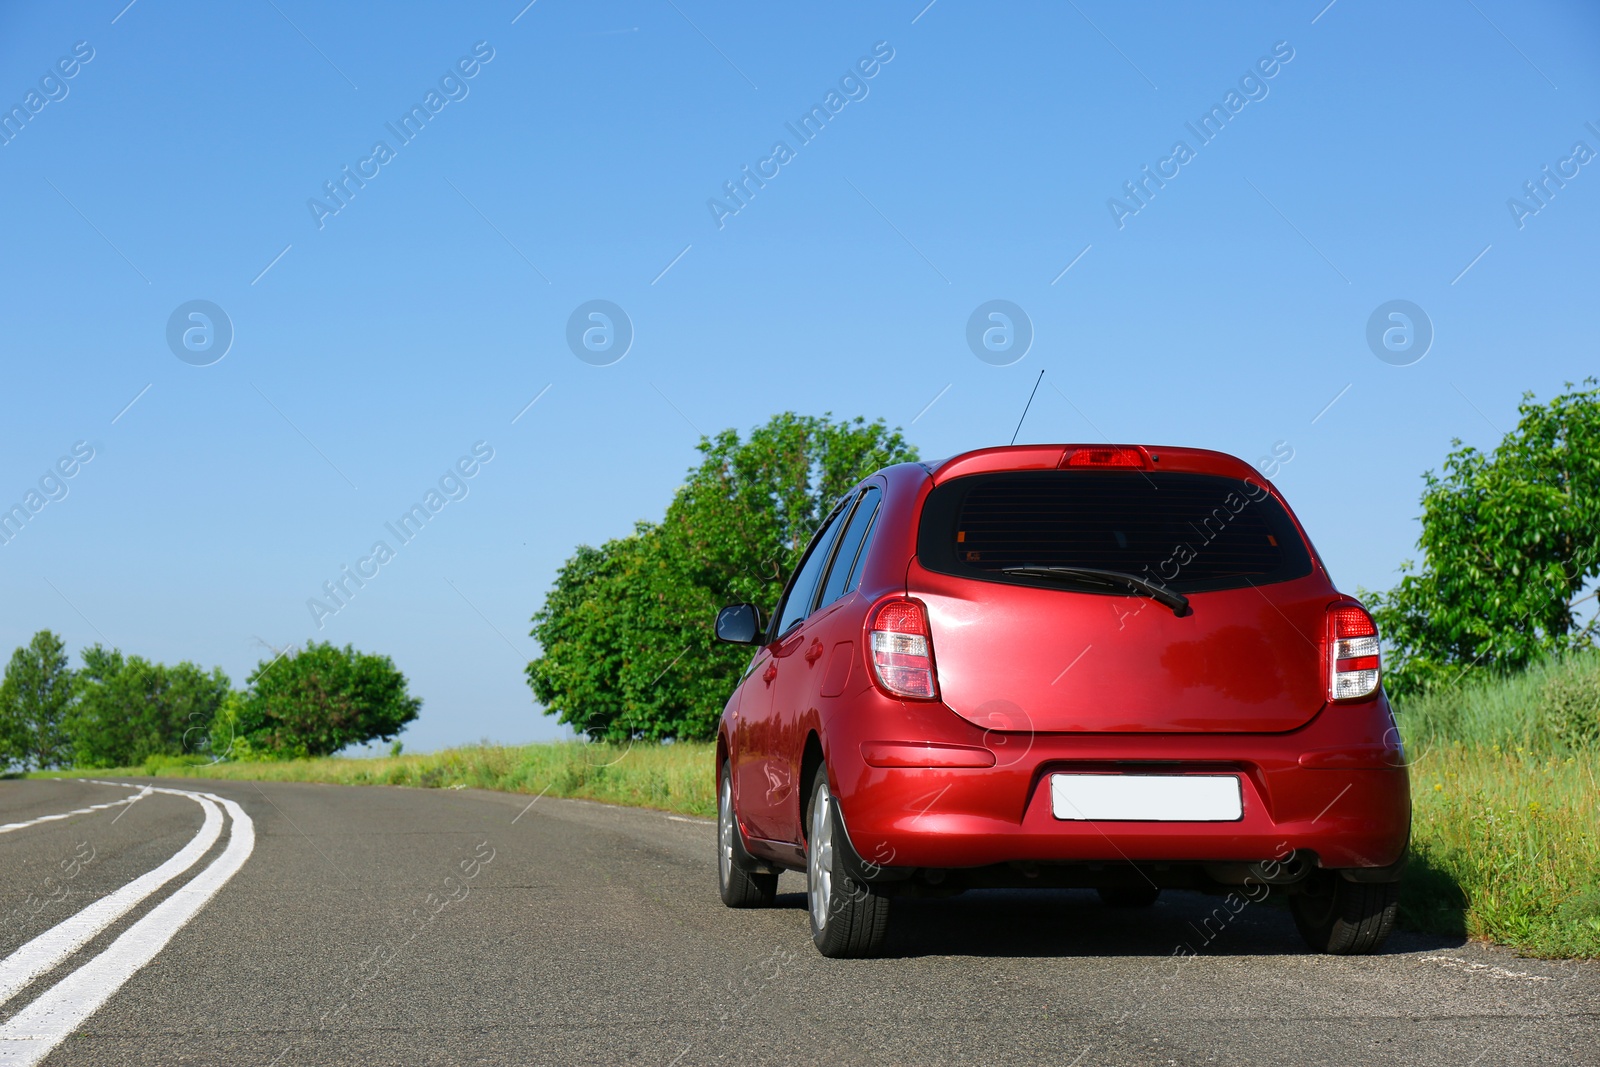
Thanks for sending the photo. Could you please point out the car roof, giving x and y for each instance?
(1050, 457)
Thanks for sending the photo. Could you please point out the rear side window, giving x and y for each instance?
(1192, 532)
(797, 602)
(845, 574)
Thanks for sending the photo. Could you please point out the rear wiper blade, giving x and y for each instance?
(1131, 582)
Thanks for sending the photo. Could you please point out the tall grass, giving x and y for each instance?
(1506, 846)
(1551, 706)
(1505, 782)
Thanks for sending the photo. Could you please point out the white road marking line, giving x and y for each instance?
(47, 951)
(1473, 966)
(30, 1035)
(697, 822)
(10, 826)
(146, 791)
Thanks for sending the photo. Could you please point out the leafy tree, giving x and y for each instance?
(739, 524)
(225, 740)
(315, 702)
(1510, 539)
(34, 698)
(583, 636)
(628, 648)
(129, 708)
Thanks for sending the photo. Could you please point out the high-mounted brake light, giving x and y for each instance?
(1353, 658)
(1105, 457)
(902, 650)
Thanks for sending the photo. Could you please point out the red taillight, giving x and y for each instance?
(902, 650)
(1353, 658)
(1105, 457)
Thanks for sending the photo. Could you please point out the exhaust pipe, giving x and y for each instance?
(1296, 867)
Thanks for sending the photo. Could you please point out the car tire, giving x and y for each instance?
(1345, 918)
(1128, 896)
(849, 918)
(740, 880)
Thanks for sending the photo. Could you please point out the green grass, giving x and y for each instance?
(1505, 785)
(1506, 847)
(675, 778)
(1553, 706)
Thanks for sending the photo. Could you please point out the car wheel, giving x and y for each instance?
(1342, 917)
(1128, 896)
(849, 918)
(741, 884)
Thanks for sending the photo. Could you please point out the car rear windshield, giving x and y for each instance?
(1192, 532)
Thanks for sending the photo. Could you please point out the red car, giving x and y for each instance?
(1111, 666)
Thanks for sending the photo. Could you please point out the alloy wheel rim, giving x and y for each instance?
(820, 862)
(725, 832)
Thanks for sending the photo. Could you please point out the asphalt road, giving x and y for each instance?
(393, 926)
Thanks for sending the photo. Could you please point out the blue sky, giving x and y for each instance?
(372, 352)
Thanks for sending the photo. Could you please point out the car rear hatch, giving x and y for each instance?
(1033, 629)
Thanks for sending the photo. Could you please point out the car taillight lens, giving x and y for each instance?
(1105, 457)
(1353, 666)
(902, 650)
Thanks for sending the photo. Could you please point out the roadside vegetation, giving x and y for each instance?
(1490, 659)
(119, 711)
(1505, 783)
(675, 778)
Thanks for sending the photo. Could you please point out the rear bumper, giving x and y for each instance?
(1336, 788)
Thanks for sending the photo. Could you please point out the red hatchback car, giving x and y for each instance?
(1110, 666)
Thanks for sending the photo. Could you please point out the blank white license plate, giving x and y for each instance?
(1147, 797)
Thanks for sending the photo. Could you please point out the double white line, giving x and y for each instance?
(29, 1036)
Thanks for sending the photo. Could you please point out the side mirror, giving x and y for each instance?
(739, 624)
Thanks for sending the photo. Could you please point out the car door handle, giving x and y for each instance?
(770, 673)
(814, 653)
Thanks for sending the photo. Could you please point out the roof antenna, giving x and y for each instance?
(1028, 405)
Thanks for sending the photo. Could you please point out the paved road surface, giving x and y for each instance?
(391, 926)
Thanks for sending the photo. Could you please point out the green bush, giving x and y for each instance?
(313, 703)
(128, 708)
(1569, 702)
